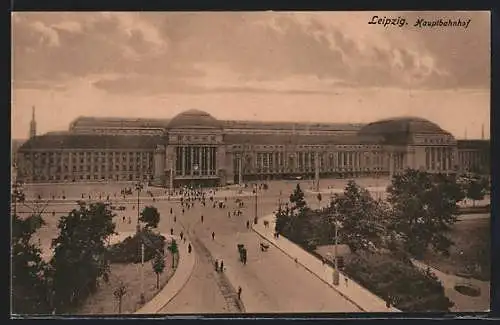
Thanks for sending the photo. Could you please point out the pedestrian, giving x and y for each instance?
(229, 214)
(182, 211)
(216, 266)
(248, 224)
(222, 266)
(346, 281)
(201, 218)
(182, 235)
(189, 248)
(123, 219)
(175, 218)
(239, 293)
(213, 235)
(171, 210)
(172, 231)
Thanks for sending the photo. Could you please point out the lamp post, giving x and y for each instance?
(138, 188)
(256, 205)
(335, 254)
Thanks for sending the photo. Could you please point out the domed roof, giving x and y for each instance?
(194, 118)
(399, 129)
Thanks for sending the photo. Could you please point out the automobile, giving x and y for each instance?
(121, 208)
(112, 207)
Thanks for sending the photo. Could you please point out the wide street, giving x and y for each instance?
(270, 281)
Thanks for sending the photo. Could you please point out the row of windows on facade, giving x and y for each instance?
(111, 177)
(336, 147)
(308, 159)
(87, 159)
(82, 168)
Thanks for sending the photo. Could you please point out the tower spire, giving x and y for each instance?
(32, 123)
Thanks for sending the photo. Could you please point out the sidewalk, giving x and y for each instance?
(133, 199)
(177, 281)
(352, 291)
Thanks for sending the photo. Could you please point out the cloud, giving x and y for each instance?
(173, 52)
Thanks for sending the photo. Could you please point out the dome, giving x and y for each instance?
(399, 130)
(194, 118)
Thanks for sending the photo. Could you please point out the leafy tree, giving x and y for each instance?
(299, 204)
(119, 293)
(150, 216)
(29, 283)
(423, 209)
(358, 214)
(128, 250)
(476, 190)
(174, 249)
(158, 267)
(408, 288)
(79, 254)
(319, 197)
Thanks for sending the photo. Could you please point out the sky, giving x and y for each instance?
(268, 66)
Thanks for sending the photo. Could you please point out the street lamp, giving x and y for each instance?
(138, 188)
(335, 255)
(255, 218)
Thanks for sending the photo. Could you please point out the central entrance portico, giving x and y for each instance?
(194, 152)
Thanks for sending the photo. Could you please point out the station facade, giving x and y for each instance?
(196, 148)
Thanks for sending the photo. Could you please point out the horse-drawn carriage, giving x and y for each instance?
(243, 253)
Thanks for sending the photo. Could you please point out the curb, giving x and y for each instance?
(310, 271)
(182, 287)
(165, 287)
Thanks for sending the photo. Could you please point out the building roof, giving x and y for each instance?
(194, 118)
(118, 122)
(228, 124)
(299, 139)
(473, 144)
(400, 130)
(83, 141)
(403, 124)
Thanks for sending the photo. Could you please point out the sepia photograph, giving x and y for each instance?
(232, 163)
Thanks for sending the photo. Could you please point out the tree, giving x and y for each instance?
(79, 259)
(423, 209)
(174, 250)
(29, 282)
(358, 214)
(158, 267)
(297, 199)
(475, 190)
(150, 216)
(119, 293)
(319, 197)
(408, 288)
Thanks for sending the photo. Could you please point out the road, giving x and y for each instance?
(270, 281)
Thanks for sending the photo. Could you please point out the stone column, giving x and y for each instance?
(391, 164)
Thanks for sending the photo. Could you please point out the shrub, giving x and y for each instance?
(129, 250)
(408, 288)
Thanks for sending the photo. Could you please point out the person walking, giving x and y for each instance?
(222, 266)
(182, 235)
(201, 218)
(213, 235)
(239, 293)
(189, 248)
(346, 281)
(216, 266)
(175, 218)
(171, 210)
